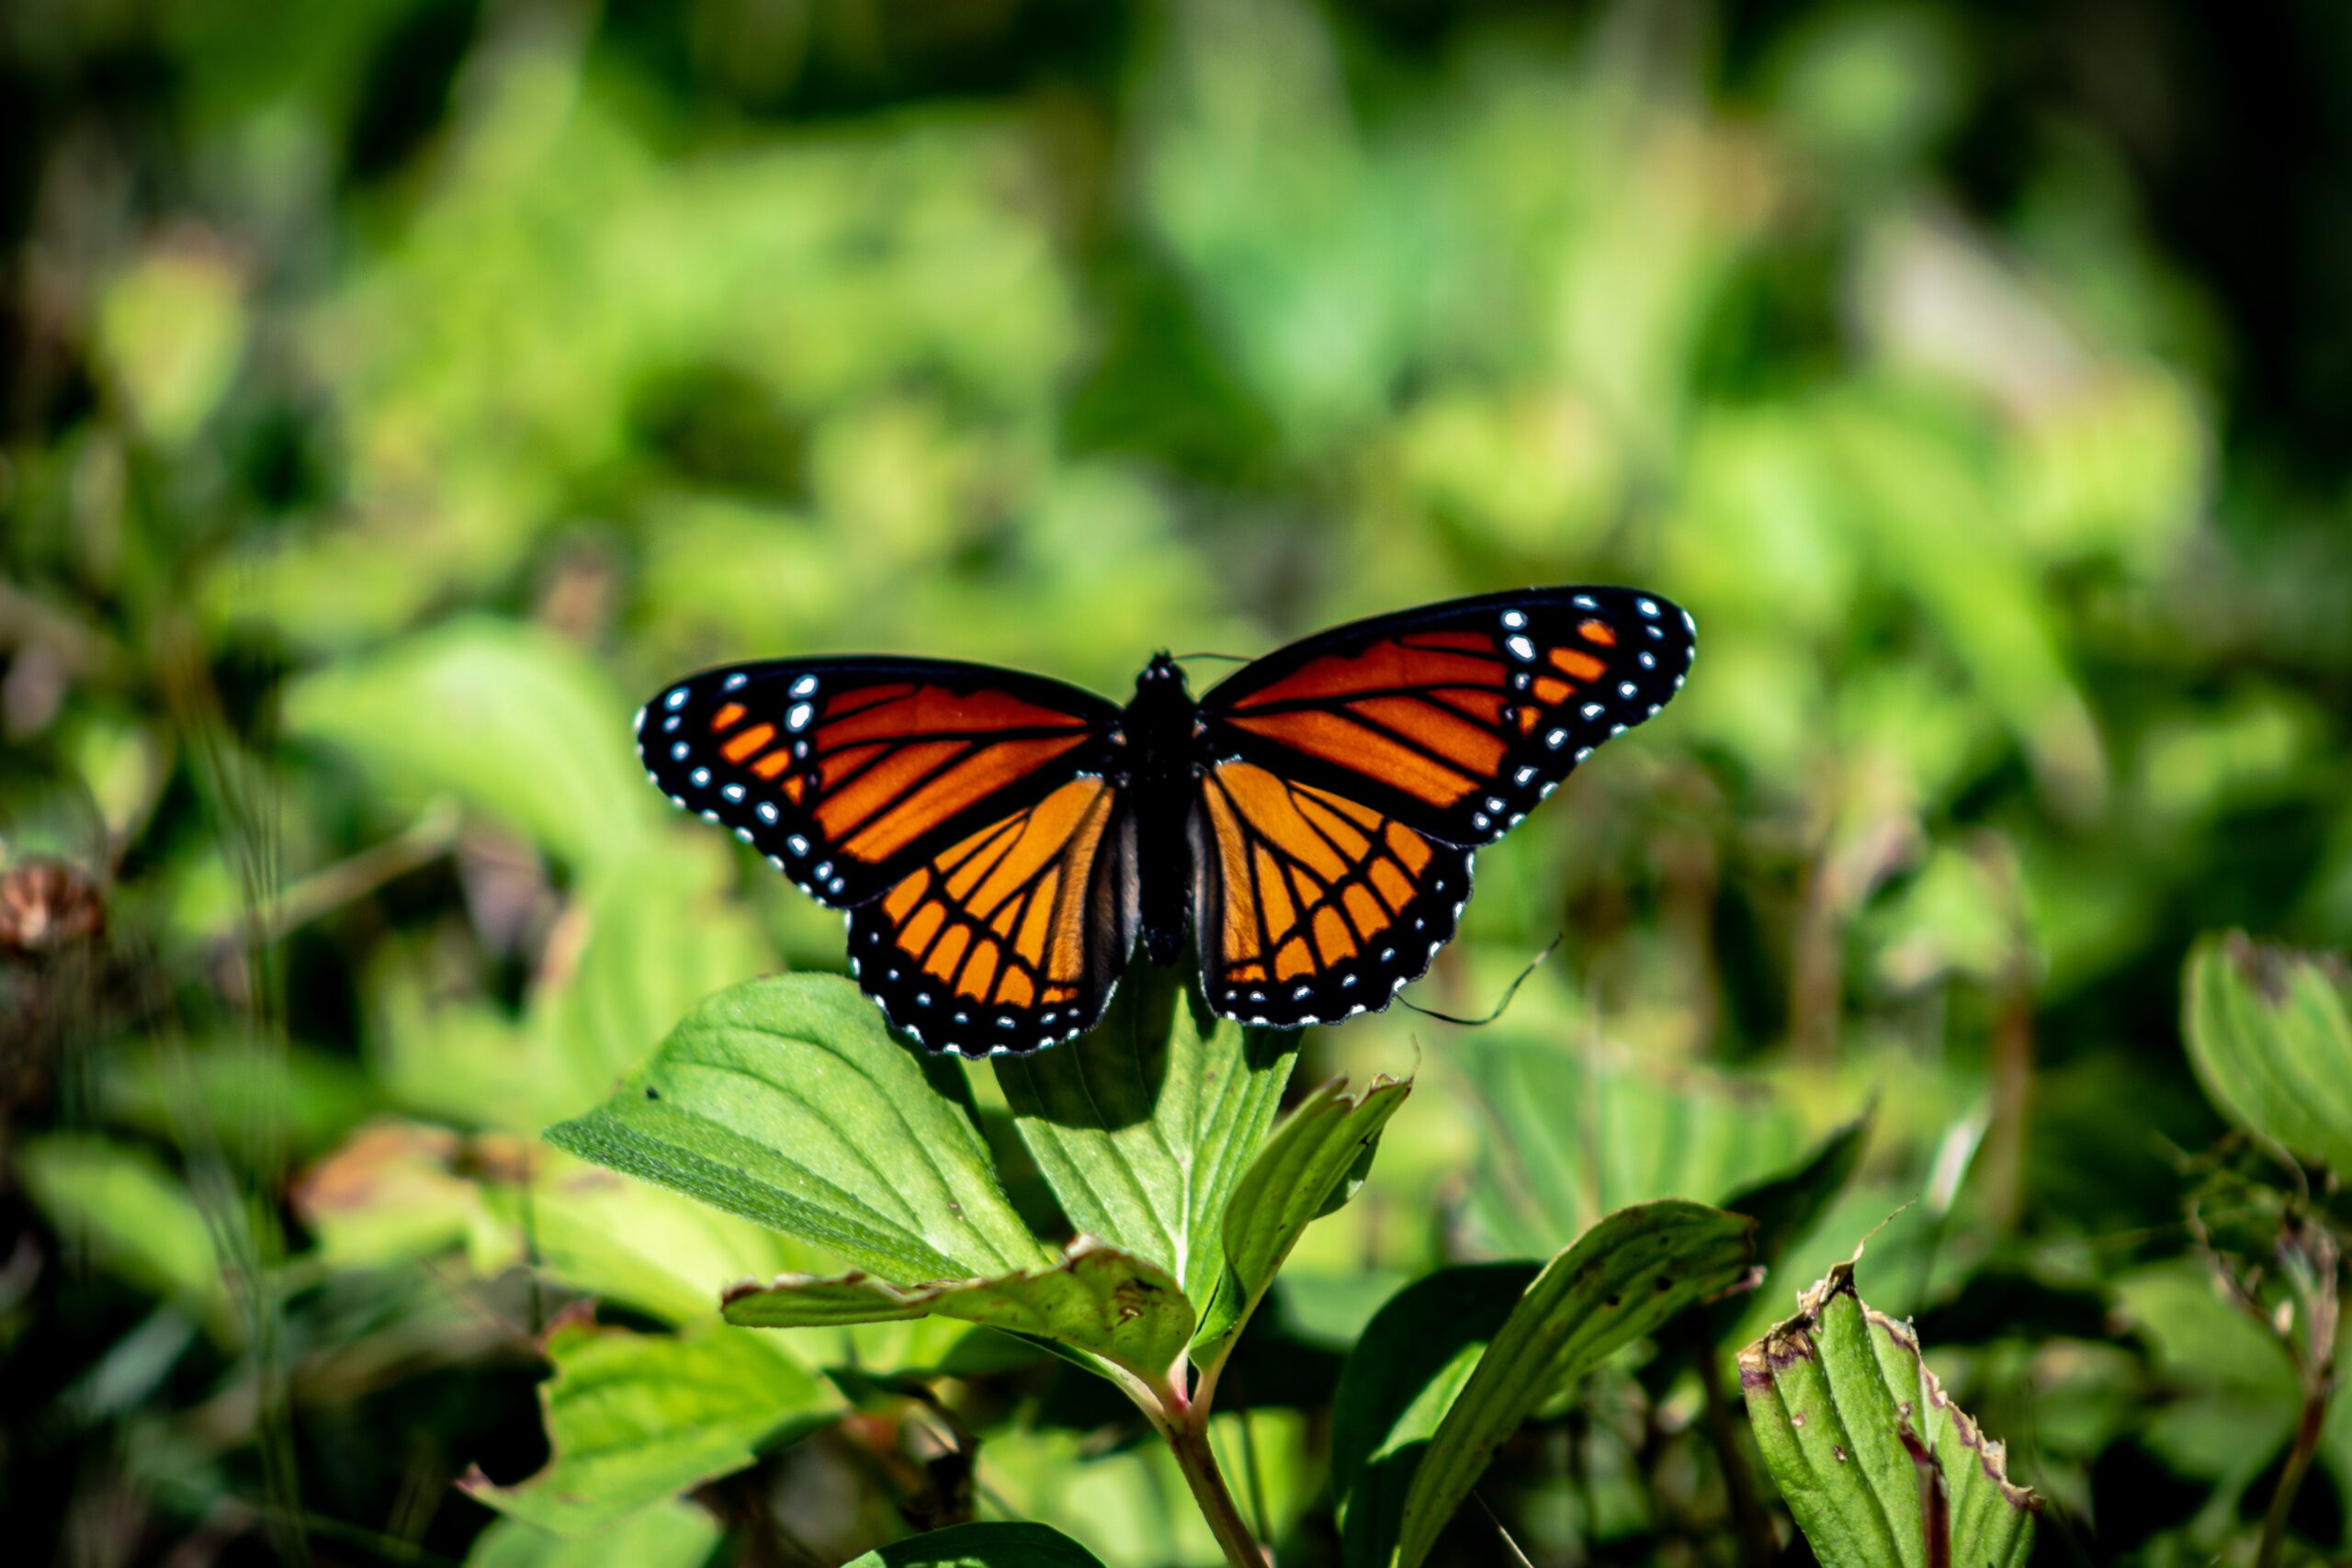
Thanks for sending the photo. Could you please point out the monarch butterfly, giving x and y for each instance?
(1000, 842)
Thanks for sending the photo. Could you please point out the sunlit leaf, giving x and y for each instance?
(1143, 1126)
(996, 1544)
(1098, 1300)
(1877, 1464)
(660, 1535)
(510, 721)
(635, 1417)
(2270, 1035)
(786, 1101)
(1316, 1158)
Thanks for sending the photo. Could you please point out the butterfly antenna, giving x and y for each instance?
(1228, 658)
(1511, 990)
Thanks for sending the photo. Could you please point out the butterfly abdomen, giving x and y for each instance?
(1163, 781)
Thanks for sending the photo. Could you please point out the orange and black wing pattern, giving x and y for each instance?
(1011, 937)
(1308, 906)
(851, 773)
(1455, 719)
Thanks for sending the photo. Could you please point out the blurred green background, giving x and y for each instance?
(394, 392)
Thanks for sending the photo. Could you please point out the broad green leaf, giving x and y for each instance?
(512, 721)
(992, 1545)
(1099, 1300)
(1621, 1280)
(1574, 1134)
(667, 1534)
(635, 1417)
(1399, 1381)
(1311, 1164)
(1867, 1449)
(135, 1216)
(2270, 1035)
(1143, 1126)
(785, 1100)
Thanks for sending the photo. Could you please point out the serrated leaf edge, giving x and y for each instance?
(1790, 1340)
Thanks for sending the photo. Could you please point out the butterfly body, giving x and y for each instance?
(1160, 764)
(1001, 844)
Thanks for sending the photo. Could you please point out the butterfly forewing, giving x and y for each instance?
(1309, 906)
(1455, 719)
(846, 772)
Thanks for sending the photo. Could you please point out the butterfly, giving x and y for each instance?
(1000, 842)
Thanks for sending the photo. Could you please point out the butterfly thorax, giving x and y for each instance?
(1163, 778)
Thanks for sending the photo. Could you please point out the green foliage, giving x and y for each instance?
(1145, 1128)
(786, 1101)
(983, 1546)
(1878, 1465)
(1621, 1280)
(2270, 1032)
(398, 391)
(665, 1535)
(632, 1418)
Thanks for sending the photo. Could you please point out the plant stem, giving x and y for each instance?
(2291, 1480)
(1187, 1429)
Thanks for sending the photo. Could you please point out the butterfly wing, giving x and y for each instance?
(847, 772)
(1011, 937)
(1310, 905)
(1456, 718)
(1349, 778)
(958, 811)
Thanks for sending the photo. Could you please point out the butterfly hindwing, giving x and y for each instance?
(1310, 905)
(1456, 718)
(1011, 937)
(847, 773)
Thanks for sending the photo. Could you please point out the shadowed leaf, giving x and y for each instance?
(993, 1545)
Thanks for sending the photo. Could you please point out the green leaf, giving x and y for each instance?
(1785, 1208)
(135, 1216)
(2270, 1035)
(661, 934)
(1098, 1299)
(511, 720)
(1621, 1280)
(1312, 1164)
(635, 1417)
(1400, 1379)
(1143, 1127)
(992, 1545)
(660, 1535)
(1868, 1449)
(1572, 1135)
(786, 1101)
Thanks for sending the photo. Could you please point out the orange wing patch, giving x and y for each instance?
(1002, 937)
(1311, 906)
